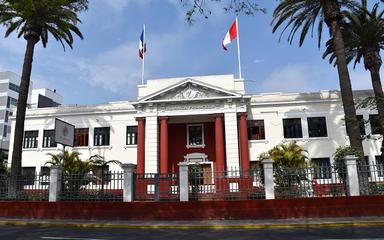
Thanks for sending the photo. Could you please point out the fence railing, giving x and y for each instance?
(311, 181)
(225, 185)
(91, 187)
(371, 179)
(156, 187)
(192, 183)
(33, 187)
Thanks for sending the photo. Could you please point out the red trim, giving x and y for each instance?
(368, 206)
(164, 145)
(219, 143)
(244, 149)
(140, 145)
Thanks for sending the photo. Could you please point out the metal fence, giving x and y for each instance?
(371, 179)
(205, 184)
(157, 187)
(311, 181)
(32, 187)
(92, 187)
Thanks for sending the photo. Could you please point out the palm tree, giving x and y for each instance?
(304, 15)
(70, 162)
(35, 20)
(363, 31)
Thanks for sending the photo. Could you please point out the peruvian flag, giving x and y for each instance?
(142, 45)
(230, 36)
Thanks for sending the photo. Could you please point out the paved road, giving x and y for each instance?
(48, 233)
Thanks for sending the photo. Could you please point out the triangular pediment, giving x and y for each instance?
(189, 89)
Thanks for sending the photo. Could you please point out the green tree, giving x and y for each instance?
(71, 162)
(35, 20)
(290, 161)
(305, 15)
(363, 31)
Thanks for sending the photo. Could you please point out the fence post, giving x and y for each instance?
(129, 182)
(183, 182)
(352, 175)
(268, 179)
(56, 173)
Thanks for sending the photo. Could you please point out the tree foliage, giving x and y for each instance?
(203, 7)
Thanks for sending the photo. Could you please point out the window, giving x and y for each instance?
(14, 87)
(30, 139)
(195, 135)
(49, 139)
(317, 127)
(361, 120)
(322, 168)
(375, 124)
(7, 114)
(380, 166)
(256, 130)
(81, 137)
(292, 128)
(101, 137)
(11, 102)
(44, 175)
(131, 135)
(5, 131)
(28, 175)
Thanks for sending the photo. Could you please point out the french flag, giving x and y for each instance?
(142, 45)
(230, 36)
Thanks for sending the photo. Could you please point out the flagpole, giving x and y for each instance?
(142, 65)
(238, 47)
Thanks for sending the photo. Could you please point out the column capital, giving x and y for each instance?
(218, 115)
(242, 114)
(140, 119)
(163, 118)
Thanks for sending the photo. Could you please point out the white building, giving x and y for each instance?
(205, 119)
(45, 97)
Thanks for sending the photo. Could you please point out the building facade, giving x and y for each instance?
(207, 120)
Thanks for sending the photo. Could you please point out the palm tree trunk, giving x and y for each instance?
(20, 117)
(351, 121)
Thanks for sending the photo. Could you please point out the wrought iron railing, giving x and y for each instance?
(310, 181)
(157, 187)
(32, 187)
(371, 179)
(91, 187)
(225, 185)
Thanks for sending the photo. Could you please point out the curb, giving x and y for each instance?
(212, 227)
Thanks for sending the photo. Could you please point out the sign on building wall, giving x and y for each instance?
(64, 132)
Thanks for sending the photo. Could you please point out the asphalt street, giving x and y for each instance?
(65, 233)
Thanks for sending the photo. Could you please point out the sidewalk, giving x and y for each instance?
(214, 224)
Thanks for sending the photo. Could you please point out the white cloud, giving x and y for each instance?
(258, 61)
(291, 78)
(118, 6)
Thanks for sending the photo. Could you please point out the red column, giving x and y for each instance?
(164, 145)
(140, 145)
(219, 142)
(244, 149)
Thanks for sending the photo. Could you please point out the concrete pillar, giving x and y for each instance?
(56, 173)
(244, 149)
(183, 182)
(231, 140)
(151, 144)
(352, 175)
(268, 179)
(219, 143)
(140, 145)
(129, 182)
(164, 145)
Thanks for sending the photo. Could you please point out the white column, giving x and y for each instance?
(129, 181)
(231, 140)
(151, 144)
(183, 182)
(268, 179)
(55, 183)
(352, 175)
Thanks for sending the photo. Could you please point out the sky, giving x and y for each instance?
(105, 66)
